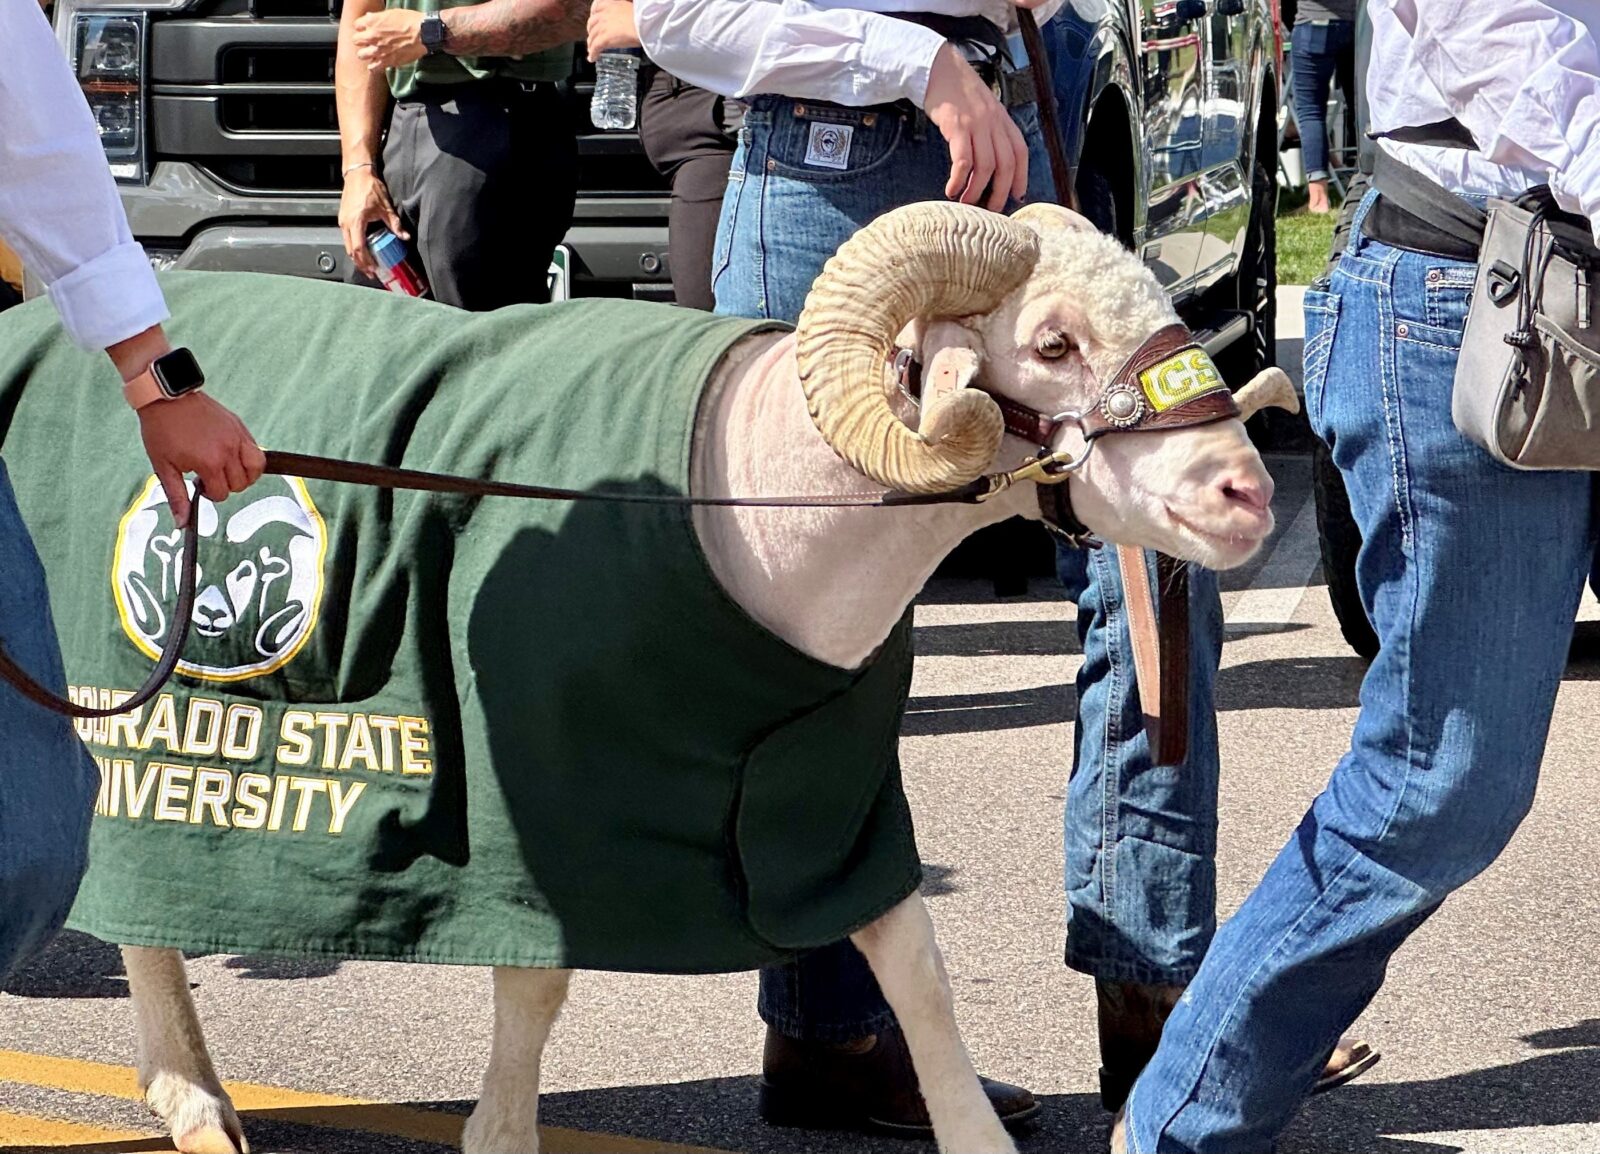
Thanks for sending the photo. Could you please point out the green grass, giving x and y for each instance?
(1303, 239)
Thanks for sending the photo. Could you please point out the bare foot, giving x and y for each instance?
(1318, 202)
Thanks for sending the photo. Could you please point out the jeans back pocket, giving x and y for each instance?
(1322, 318)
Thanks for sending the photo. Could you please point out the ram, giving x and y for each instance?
(605, 734)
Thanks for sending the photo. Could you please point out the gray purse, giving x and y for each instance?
(1527, 385)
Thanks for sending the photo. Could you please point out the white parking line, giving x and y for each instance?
(1280, 584)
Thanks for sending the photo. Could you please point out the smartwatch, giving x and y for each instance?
(434, 33)
(171, 375)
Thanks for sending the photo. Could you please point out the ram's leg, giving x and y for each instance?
(506, 1120)
(905, 959)
(175, 1072)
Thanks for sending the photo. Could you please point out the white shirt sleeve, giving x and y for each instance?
(789, 48)
(1524, 77)
(58, 204)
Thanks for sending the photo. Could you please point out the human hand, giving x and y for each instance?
(611, 26)
(195, 434)
(986, 147)
(389, 38)
(364, 200)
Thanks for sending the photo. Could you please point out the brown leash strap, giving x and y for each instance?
(1160, 649)
(1049, 114)
(11, 672)
(388, 477)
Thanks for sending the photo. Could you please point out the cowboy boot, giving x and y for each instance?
(1131, 1015)
(866, 1085)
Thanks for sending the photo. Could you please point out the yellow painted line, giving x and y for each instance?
(303, 1108)
(25, 1130)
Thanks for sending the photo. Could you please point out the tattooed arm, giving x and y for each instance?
(513, 27)
(391, 38)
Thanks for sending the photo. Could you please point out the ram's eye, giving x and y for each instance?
(1053, 344)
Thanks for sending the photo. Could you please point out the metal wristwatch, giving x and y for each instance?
(434, 32)
(170, 376)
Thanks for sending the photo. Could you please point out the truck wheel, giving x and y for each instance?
(1097, 201)
(1257, 284)
(1340, 541)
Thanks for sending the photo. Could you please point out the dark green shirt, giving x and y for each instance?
(443, 68)
(428, 728)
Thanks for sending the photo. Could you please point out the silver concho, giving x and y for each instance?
(1122, 407)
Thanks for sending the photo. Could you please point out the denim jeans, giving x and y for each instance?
(1318, 51)
(1140, 883)
(1471, 574)
(47, 779)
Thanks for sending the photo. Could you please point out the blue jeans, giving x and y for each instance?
(1471, 574)
(1318, 51)
(47, 779)
(1140, 882)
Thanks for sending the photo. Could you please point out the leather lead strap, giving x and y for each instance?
(1160, 650)
(1049, 115)
(182, 613)
(387, 477)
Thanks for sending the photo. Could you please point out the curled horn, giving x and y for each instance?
(924, 260)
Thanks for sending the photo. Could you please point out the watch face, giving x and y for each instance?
(178, 373)
(432, 31)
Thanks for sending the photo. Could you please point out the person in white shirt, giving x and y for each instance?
(60, 213)
(1470, 573)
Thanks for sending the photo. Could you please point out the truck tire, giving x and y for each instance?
(1340, 543)
(1338, 535)
(1257, 283)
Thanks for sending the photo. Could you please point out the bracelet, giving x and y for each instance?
(364, 164)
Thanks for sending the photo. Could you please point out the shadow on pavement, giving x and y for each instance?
(1554, 1089)
(999, 639)
(74, 965)
(1291, 683)
(983, 712)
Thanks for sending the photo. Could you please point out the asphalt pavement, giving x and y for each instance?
(1489, 1024)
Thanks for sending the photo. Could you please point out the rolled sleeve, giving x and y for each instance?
(110, 298)
(899, 55)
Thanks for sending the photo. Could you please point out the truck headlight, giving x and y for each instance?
(108, 58)
(107, 42)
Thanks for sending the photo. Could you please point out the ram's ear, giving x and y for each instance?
(1270, 388)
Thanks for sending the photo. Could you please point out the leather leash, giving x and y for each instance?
(1160, 638)
(388, 477)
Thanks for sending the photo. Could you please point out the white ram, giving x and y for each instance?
(1038, 306)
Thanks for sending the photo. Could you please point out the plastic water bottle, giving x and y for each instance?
(395, 269)
(615, 104)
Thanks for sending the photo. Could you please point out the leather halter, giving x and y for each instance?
(1168, 382)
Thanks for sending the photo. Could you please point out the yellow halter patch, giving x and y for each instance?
(1182, 377)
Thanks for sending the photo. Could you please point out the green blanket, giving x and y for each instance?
(431, 728)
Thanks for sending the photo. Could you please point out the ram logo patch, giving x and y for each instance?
(259, 585)
(1181, 377)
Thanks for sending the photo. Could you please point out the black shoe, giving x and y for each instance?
(867, 1085)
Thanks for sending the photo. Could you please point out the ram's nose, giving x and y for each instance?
(1247, 489)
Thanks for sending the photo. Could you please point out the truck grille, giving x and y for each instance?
(244, 92)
